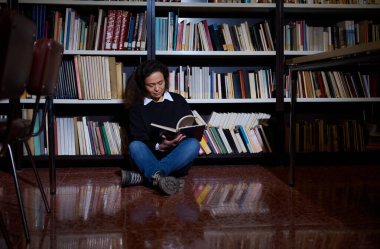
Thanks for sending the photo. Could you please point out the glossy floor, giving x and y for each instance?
(221, 207)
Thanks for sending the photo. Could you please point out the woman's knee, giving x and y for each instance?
(193, 144)
(135, 146)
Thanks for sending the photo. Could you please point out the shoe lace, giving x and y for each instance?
(156, 178)
(135, 178)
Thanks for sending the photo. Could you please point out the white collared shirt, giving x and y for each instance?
(166, 96)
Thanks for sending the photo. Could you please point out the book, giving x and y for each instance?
(186, 125)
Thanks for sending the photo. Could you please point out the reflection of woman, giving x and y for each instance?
(157, 157)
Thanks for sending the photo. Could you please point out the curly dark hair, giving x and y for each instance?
(135, 91)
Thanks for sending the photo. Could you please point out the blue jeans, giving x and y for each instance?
(179, 158)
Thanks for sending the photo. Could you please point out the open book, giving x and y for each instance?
(187, 125)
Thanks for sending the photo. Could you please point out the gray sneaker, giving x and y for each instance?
(169, 185)
(130, 178)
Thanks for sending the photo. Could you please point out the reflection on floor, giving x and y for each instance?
(224, 207)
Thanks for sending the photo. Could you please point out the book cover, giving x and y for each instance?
(186, 125)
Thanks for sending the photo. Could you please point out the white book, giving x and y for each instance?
(81, 141)
(110, 138)
(259, 138)
(181, 81)
(72, 136)
(198, 118)
(240, 140)
(234, 138)
(248, 36)
(224, 119)
(100, 77)
(245, 119)
(203, 38)
(116, 136)
(212, 118)
(255, 142)
(87, 136)
(66, 136)
(262, 36)
(104, 68)
(108, 78)
(82, 69)
(172, 81)
(90, 81)
(219, 82)
(59, 134)
(252, 88)
(224, 140)
(226, 29)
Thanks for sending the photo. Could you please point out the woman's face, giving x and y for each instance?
(155, 86)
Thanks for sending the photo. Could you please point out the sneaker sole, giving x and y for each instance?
(170, 185)
(123, 176)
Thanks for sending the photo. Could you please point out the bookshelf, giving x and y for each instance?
(354, 58)
(277, 15)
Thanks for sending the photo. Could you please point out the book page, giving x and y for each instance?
(187, 120)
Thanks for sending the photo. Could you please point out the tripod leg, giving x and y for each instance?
(20, 202)
(43, 195)
(3, 229)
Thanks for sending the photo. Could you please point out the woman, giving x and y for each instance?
(158, 158)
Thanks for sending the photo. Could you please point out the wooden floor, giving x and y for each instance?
(224, 207)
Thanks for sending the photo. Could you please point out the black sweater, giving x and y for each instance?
(165, 113)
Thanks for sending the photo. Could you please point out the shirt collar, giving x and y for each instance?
(166, 96)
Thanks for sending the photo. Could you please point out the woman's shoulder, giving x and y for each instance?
(177, 96)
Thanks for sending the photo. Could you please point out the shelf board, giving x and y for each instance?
(204, 101)
(230, 101)
(299, 53)
(215, 7)
(87, 3)
(337, 54)
(334, 100)
(329, 8)
(88, 101)
(105, 52)
(216, 53)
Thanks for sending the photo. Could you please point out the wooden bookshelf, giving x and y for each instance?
(355, 55)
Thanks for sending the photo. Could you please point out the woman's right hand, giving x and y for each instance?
(167, 144)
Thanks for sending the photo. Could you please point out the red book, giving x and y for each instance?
(123, 31)
(117, 30)
(109, 30)
(100, 139)
(321, 86)
(209, 42)
(241, 77)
